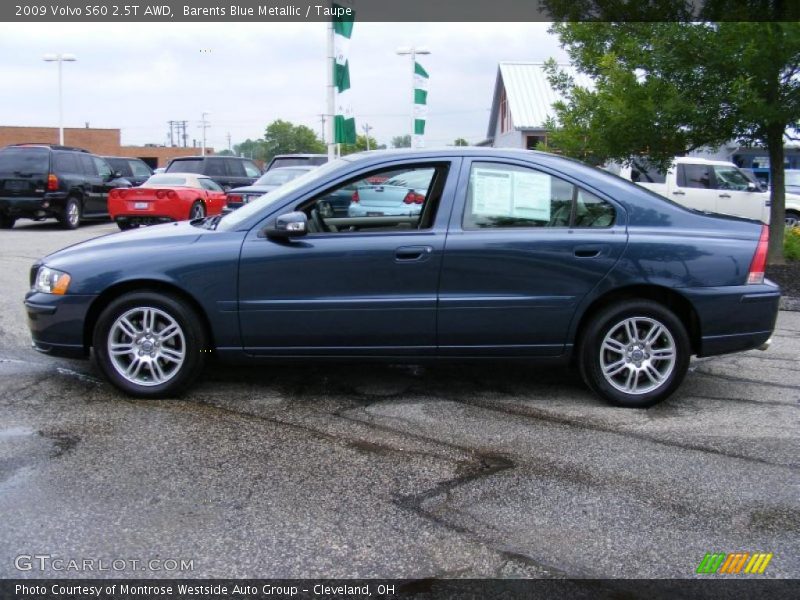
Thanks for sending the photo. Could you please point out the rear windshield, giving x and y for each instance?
(25, 161)
(157, 180)
(279, 176)
(192, 165)
(294, 161)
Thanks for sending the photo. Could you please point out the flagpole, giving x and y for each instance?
(413, 104)
(331, 95)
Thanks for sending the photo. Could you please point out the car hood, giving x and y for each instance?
(128, 244)
(253, 189)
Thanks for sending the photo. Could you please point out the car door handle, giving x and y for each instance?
(588, 251)
(678, 193)
(724, 195)
(413, 253)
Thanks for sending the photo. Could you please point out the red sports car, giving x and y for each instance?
(166, 197)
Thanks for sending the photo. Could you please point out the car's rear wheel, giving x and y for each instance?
(634, 354)
(7, 222)
(198, 211)
(792, 218)
(71, 216)
(150, 344)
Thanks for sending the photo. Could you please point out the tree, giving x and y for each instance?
(255, 149)
(666, 88)
(460, 142)
(283, 137)
(401, 141)
(360, 145)
(225, 152)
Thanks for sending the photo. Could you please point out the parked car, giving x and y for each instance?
(707, 185)
(41, 181)
(297, 160)
(792, 181)
(134, 170)
(166, 198)
(227, 171)
(514, 255)
(266, 183)
(403, 194)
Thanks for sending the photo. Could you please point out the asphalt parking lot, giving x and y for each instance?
(391, 471)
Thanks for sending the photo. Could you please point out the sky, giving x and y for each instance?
(138, 76)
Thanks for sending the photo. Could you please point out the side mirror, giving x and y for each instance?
(753, 187)
(289, 225)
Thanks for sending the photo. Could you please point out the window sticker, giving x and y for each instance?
(511, 194)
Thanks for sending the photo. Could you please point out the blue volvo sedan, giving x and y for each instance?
(513, 255)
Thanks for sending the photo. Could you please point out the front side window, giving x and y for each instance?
(250, 169)
(140, 169)
(405, 199)
(209, 185)
(730, 178)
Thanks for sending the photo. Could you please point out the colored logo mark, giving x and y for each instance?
(738, 562)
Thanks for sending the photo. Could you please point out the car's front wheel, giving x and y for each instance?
(634, 354)
(150, 344)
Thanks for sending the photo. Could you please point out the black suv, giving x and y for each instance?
(38, 181)
(134, 170)
(226, 171)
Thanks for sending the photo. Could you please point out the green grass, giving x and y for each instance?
(791, 244)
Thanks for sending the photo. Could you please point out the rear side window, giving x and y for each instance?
(33, 161)
(695, 176)
(215, 168)
(87, 164)
(510, 196)
(235, 167)
(191, 165)
(65, 162)
(102, 167)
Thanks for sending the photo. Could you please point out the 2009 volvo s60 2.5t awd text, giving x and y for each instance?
(501, 255)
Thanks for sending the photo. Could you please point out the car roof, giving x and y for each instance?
(702, 161)
(298, 156)
(212, 157)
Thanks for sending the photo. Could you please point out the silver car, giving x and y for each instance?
(402, 195)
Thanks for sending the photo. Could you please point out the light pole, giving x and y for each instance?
(60, 58)
(412, 51)
(205, 125)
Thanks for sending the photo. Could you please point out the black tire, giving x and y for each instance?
(792, 218)
(610, 321)
(70, 217)
(193, 344)
(7, 222)
(126, 225)
(197, 211)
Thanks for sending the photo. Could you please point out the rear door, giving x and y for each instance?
(525, 245)
(94, 186)
(694, 187)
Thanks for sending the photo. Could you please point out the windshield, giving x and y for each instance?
(158, 180)
(279, 176)
(793, 178)
(25, 161)
(231, 221)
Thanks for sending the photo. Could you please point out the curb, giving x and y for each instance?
(790, 303)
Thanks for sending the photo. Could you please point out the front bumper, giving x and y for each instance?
(57, 323)
(734, 318)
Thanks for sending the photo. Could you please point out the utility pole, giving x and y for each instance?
(204, 124)
(329, 61)
(171, 139)
(181, 127)
(229, 142)
(322, 119)
(367, 128)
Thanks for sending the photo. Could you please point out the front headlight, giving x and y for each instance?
(50, 281)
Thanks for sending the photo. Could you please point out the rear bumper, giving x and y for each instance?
(142, 219)
(31, 207)
(57, 323)
(734, 318)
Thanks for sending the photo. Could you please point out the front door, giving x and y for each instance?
(360, 283)
(734, 196)
(524, 247)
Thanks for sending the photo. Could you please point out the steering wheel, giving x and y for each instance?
(316, 220)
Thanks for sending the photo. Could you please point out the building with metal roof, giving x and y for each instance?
(523, 101)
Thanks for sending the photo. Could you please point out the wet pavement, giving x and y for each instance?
(390, 471)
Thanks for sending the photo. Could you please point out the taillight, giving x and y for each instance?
(172, 194)
(113, 194)
(122, 193)
(52, 183)
(161, 194)
(413, 197)
(756, 274)
(355, 197)
(234, 198)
